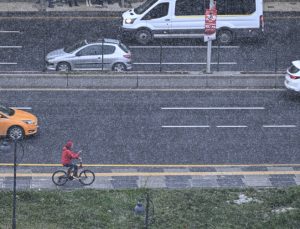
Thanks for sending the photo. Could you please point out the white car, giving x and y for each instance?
(292, 76)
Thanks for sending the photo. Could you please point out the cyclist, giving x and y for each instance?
(67, 156)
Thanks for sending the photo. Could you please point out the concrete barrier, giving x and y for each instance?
(135, 80)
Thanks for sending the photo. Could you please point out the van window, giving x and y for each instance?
(158, 11)
(189, 7)
(145, 6)
(230, 7)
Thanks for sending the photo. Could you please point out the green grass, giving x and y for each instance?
(192, 208)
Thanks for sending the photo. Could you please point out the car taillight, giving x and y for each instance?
(294, 77)
(128, 56)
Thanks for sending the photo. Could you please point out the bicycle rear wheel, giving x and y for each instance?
(86, 177)
(59, 177)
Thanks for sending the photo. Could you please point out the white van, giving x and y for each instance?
(185, 19)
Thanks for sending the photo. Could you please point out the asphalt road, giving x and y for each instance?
(25, 41)
(163, 127)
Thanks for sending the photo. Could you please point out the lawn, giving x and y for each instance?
(189, 208)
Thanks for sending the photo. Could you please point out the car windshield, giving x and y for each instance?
(142, 8)
(7, 110)
(293, 69)
(124, 47)
(73, 47)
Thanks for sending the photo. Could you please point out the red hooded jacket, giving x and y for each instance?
(68, 155)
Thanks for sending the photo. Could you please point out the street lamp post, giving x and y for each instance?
(6, 147)
(15, 184)
(140, 210)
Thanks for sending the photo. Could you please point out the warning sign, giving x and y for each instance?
(210, 21)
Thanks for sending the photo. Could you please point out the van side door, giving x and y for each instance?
(189, 16)
(158, 18)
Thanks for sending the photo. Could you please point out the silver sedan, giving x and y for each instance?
(103, 54)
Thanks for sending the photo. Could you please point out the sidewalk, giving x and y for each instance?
(160, 176)
(269, 6)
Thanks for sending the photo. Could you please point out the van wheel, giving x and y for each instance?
(143, 36)
(15, 133)
(225, 37)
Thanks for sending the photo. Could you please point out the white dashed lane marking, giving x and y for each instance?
(212, 108)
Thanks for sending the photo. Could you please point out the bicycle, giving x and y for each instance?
(86, 176)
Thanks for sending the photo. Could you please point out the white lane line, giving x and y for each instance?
(241, 126)
(185, 126)
(8, 31)
(187, 63)
(11, 47)
(212, 108)
(279, 126)
(181, 46)
(22, 108)
(7, 63)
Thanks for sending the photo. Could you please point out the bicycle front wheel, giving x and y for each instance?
(59, 177)
(86, 177)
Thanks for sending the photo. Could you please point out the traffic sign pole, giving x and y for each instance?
(209, 44)
(210, 31)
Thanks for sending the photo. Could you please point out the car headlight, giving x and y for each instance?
(50, 60)
(129, 20)
(28, 121)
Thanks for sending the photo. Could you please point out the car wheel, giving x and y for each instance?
(16, 133)
(225, 37)
(119, 67)
(143, 36)
(63, 67)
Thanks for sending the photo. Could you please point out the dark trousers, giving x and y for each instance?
(73, 167)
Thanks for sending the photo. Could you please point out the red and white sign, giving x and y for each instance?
(210, 21)
(210, 24)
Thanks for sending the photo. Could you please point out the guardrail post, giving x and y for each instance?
(218, 53)
(67, 79)
(160, 59)
(276, 61)
(102, 50)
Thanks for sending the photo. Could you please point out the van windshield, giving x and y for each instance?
(142, 8)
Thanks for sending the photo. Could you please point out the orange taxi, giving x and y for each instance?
(17, 124)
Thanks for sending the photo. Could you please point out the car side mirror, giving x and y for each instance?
(78, 54)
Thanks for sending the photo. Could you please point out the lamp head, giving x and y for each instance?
(139, 208)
